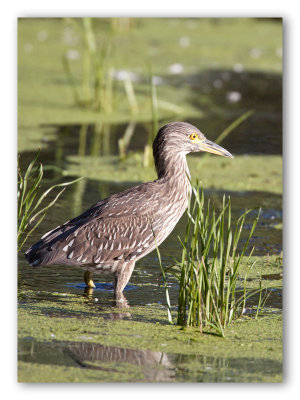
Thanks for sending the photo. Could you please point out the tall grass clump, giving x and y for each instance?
(32, 203)
(209, 269)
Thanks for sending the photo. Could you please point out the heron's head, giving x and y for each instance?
(184, 138)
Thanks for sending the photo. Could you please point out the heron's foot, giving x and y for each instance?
(121, 301)
(88, 279)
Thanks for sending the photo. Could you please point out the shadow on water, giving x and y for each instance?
(153, 366)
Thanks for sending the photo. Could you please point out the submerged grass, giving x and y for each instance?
(208, 272)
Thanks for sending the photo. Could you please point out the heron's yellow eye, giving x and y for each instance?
(194, 136)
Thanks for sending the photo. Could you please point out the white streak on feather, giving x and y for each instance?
(144, 230)
(71, 254)
(46, 234)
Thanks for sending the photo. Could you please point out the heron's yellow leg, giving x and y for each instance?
(88, 279)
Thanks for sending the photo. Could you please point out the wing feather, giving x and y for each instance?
(114, 228)
(110, 239)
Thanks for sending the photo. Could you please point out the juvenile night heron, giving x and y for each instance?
(116, 232)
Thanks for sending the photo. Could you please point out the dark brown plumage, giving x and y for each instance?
(119, 230)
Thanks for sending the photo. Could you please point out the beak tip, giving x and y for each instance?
(214, 148)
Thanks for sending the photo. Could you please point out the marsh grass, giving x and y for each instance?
(124, 141)
(96, 89)
(223, 135)
(32, 204)
(147, 157)
(209, 274)
(156, 105)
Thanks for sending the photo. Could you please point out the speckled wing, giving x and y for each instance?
(102, 240)
(109, 239)
(115, 228)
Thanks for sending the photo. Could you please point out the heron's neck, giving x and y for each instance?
(173, 167)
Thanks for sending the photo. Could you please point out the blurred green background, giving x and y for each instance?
(92, 93)
(81, 82)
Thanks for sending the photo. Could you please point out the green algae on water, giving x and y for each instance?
(74, 328)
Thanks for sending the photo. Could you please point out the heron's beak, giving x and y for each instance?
(211, 147)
